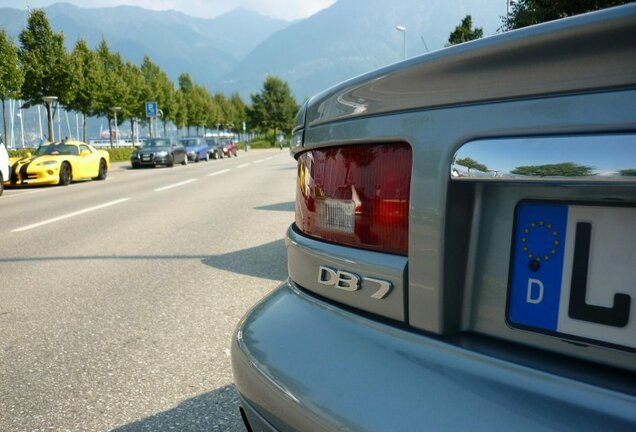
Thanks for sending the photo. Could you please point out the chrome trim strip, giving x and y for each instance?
(589, 159)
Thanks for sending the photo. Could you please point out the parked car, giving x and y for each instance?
(462, 256)
(196, 149)
(4, 165)
(60, 163)
(215, 147)
(159, 151)
(229, 147)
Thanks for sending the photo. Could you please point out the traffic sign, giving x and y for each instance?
(151, 109)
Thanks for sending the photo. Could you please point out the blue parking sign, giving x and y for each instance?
(151, 109)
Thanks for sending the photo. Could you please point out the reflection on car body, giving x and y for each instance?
(159, 151)
(196, 149)
(59, 163)
(491, 187)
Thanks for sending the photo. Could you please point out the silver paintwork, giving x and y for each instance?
(550, 58)
(616, 163)
(373, 270)
(306, 365)
(571, 78)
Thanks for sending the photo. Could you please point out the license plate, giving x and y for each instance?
(145, 157)
(573, 272)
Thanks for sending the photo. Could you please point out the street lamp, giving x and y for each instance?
(403, 30)
(48, 101)
(114, 109)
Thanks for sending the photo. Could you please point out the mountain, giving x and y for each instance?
(206, 48)
(236, 51)
(355, 36)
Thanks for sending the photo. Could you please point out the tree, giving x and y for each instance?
(113, 90)
(45, 63)
(471, 163)
(274, 108)
(159, 89)
(133, 104)
(465, 32)
(11, 75)
(564, 169)
(87, 74)
(524, 13)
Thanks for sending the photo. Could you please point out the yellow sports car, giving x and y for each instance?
(59, 163)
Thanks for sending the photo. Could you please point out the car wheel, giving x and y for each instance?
(215, 155)
(103, 170)
(1, 184)
(207, 157)
(65, 174)
(170, 162)
(185, 160)
(196, 159)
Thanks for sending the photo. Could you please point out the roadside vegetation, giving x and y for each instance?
(100, 83)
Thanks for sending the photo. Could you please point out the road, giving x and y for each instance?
(118, 299)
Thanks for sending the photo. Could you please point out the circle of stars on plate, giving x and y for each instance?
(535, 257)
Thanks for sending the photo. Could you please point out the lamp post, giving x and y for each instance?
(114, 109)
(403, 30)
(48, 101)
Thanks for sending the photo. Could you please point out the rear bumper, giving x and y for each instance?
(303, 364)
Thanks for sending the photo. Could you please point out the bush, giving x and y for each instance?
(120, 154)
(260, 144)
(20, 152)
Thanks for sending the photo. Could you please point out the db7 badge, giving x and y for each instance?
(347, 281)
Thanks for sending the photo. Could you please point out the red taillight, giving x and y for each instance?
(356, 195)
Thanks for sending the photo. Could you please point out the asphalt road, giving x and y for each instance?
(118, 299)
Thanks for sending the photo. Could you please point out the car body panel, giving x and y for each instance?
(354, 373)
(195, 147)
(158, 151)
(572, 81)
(4, 165)
(44, 169)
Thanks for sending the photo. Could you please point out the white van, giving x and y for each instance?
(4, 165)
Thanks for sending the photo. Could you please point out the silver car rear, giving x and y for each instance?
(510, 303)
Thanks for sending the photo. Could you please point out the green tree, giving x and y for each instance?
(87, 73)
(45, 63)
(112, 88)
(465, 32)
(471, 163)
(564, 169)
(525, 13)
(274, 108)
(160, 89)
(11, 75)
(133, 104)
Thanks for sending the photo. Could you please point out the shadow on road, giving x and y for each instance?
(284, 207)
(217, 410)
(267, 261)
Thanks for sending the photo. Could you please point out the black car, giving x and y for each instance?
(159, 151)
(215, 146)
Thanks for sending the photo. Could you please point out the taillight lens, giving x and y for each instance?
(356, 195)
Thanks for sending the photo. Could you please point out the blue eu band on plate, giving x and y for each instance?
(572, 271)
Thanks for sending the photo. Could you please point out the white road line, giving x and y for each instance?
(218, 172)
(258, 161)
(70, 215)
(243, 166)
(161, 189)
(269, 158)
(5, 196)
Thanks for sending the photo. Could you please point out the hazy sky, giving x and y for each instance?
(285, 9)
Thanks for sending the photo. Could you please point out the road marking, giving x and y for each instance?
(258, 161)
(269, 158)
(70, 215)
(161, 189)
(243, 166)
(17, 194)
(218, 172)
